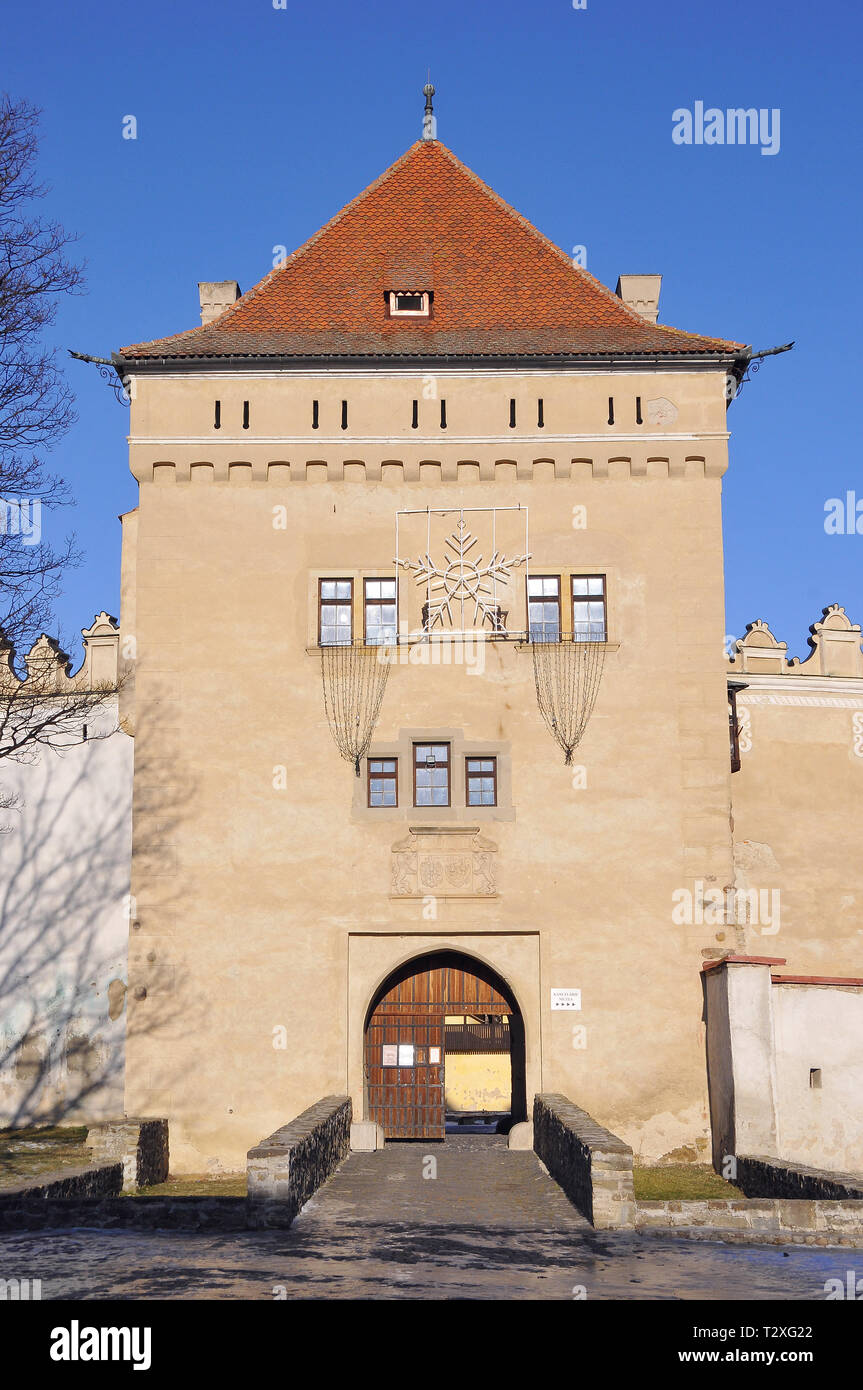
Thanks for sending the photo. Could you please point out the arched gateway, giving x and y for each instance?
(430, 1000)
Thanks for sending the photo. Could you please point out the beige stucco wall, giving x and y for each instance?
(64, 923)
(797, 804)
(256, 904)
(820, 1027)
(765, 1035)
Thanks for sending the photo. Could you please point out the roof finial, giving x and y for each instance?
(429, 121)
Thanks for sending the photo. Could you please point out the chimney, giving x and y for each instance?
(641, 293)
(216, 296)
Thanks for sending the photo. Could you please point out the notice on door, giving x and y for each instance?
(390, 1055)
(434, 1055)
(406, 1054)
(566, 998)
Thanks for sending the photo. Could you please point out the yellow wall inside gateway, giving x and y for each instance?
(478, 1081)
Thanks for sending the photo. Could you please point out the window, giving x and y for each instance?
(431, 774)
(480, 778)
(410, 303)
(383, 781)
(335, 612)
(588, 608)
(734, 726)
(543, 608)
(380, 611)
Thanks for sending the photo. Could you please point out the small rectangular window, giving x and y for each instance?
(335, 610)
(543, 608)
(344, 415)
(733, 728)
(815, 1078)
(383, 781)
(415, 415)
(314, 415)
(611, 410)
(379, 611)
(512, 414)
(217, 416)
(480, 779)
(540, 414)
(410, 303)
(443, 415)
(431, 774)
(638, 419)
(588, 608)
(245, 415)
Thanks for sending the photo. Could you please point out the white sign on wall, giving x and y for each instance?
(566, 998)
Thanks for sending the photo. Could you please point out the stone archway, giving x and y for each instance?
(405, 1039)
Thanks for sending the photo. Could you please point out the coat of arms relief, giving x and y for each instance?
(447, 862)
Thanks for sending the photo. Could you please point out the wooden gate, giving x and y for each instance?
(404, 1046)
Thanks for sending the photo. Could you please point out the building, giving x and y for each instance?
(431, 702)
(65, 848)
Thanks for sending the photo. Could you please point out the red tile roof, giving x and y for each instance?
(500, 287)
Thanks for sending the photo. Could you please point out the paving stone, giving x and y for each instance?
(491, 1225)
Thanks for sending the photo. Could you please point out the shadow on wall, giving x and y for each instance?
(65, 911)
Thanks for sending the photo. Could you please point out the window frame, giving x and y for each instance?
(543, 598)
(589, 598)
(433, 743)
(381, 777)
(334, 603)
(379, 579)
(734, 726)
(469, 777)
(396, 313)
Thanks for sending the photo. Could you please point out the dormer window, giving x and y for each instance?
(409, 304)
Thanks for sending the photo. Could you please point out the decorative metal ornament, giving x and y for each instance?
(461, 581)
(567, 677)
(354, 681)
(108, 371)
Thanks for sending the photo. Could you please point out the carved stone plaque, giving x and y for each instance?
(444, 862)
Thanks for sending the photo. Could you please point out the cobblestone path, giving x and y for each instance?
(490, 1225)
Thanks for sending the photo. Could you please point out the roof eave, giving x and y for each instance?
(611, 361)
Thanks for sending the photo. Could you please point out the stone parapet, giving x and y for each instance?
(773, 1221)
(293, 1163)
(140, 1145)
(758, 1176)
(591, 1164)
(106, 1180)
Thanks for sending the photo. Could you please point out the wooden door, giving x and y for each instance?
(404, 1044)
(405, 1074)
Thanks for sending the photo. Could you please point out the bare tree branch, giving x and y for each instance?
(35, 401)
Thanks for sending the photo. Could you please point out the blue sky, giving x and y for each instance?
(256, 124)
